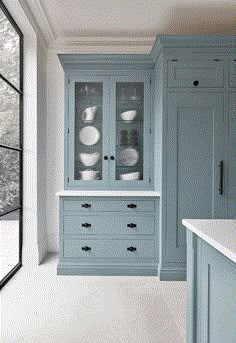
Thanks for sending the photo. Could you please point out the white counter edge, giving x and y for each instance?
(108, 193)
(214, 243)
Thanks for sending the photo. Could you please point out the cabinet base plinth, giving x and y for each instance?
(172, 275)
(111, 271)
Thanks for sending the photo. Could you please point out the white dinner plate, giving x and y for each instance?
(129, 156)
(89, 135)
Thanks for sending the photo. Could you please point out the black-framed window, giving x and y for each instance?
(11, 145)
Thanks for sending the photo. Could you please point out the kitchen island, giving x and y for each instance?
(211, 277)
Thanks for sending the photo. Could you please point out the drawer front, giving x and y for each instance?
(195, 74)
(112, 249)
(232, 73)
(110, 225)
(90, 205)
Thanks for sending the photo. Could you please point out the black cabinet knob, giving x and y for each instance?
(86, 225)
(112, 158)
(86, 205)
(131, 225)
(86, 248)
(195, 83)
(131, 206)
(131, 249)
(105, 157)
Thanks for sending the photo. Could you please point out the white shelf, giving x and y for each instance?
(65, 193)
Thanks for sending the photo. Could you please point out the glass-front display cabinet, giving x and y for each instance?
(109, 132)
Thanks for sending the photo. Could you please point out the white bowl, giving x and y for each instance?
(89, 160)
(130, 176)
(89, 174)
(128, 115)
(89, 113)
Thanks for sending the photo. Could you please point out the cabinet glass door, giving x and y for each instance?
(87, 124)
(130, 128)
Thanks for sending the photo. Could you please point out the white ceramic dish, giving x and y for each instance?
(89, 135)
(89, 113)
(130, 176)
(129, 156)
(128, 115)
(89, 160)
(88, 174)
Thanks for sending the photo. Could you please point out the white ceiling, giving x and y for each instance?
(140, 20)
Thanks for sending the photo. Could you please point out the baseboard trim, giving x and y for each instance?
(172, 275)
(104, 271)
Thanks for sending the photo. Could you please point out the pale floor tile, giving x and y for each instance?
(40, 307)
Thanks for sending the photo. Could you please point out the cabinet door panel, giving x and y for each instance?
(195, 146)
(232, 157)
(232, 73)
(88, 124)
(130, 100)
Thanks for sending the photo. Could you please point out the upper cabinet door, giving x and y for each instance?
(88, 123)
(130, 126)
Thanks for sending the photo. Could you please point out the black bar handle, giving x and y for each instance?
(112, 158)
(131, 206)
(131, 249)
(221, 185)
(105, 157)
(195, 83)
(86, 225)
(132, 225)
(86, 205)
(86, 248)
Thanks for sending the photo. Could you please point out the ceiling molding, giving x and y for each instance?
(104, 44)
(36, 9)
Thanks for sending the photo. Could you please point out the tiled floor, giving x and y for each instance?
(40, 307)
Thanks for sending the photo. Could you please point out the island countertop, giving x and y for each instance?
(219, 233)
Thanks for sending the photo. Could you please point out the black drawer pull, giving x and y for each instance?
(131, 225)
(86, 248)
(131, 206)
(86, 225)
(112, 158)
(195, 83)
(86, 205)
(105, 157)
(131, 249)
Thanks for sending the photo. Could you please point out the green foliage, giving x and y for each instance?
(9, 115)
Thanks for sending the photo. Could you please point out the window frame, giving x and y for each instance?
(19, 90)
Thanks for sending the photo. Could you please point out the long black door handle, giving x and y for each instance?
(221, 184)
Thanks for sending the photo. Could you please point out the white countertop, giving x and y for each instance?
(219, 233)
(108, 193)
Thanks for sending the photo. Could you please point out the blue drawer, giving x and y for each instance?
(108, 225)
(90, 205)
(196, 74)
(109, 249)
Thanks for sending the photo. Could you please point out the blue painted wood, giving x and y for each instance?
(196, 74)
(109, 225)
(195, 145)
(104, 248)
(232, 157)
(109, 205)
(211, 309)
(232, 72)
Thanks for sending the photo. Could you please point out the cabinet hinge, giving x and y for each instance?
(150, 80)
(68, 81)
(149, 180)
(68, 130)
(68, 179)
(150, 131)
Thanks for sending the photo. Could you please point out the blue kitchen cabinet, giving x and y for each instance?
(211, 309)
(232, 157)
(108, 139)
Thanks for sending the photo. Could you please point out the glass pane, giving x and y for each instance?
(9, 179)
(9, 115)
(9, 242)
(129, 130)
(9, 51)
(88, 130)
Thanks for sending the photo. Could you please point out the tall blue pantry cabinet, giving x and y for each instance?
(195, 104)
(149, 140)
